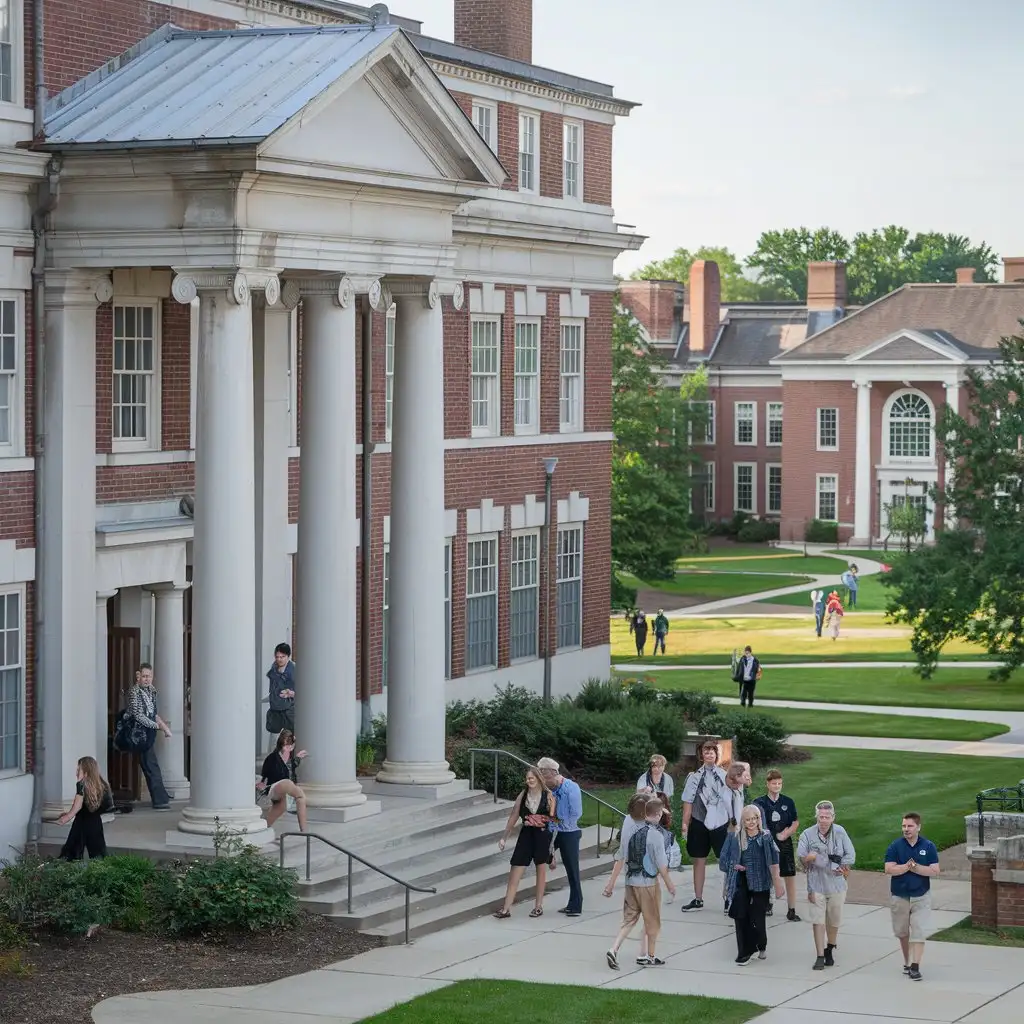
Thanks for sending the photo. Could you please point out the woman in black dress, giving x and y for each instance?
(534, 808)
(279, 779)
(92, 800)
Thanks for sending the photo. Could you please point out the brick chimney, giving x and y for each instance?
(1013, 268)
(965, 275)
(656, 304)
(705, 304)
(504, 27)
(826, 285)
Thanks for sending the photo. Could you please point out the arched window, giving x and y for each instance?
(910, 428)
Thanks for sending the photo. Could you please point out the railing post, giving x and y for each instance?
(981, 823)
(407, 915)
(472, 770)
(597, 849)
(350, 883)
(309, 848)
(495, 778)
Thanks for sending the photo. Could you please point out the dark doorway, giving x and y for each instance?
(124, 647)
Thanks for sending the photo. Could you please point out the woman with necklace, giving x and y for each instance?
(534, 809)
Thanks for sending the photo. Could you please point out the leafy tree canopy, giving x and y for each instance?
(735, 287)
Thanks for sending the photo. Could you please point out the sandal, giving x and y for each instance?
(537, 912)
(502, 914)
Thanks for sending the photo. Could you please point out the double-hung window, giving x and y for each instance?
(386, 617)
(527, 383)
(528, 152)
(389, 371)
(569, 563)
(571, 376)
(572, 160)
(773, 490)
(525, 595)
(745, 487)
(828, 497)
(709, 423)
(485, 121)
(8, 57)
(746, 422)
(709, 487)
(136, 390)
(482, 604)
(774, 412)
(12, 682)
(11, 380)
(828, 430)
(484, 370)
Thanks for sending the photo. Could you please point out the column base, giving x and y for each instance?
(178, 789)
(332, 795)
(202, 824)
(340, 814)
(416, 773)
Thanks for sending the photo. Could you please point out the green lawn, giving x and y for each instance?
(711, 586)
(852, 723)
(790, 561)
(838, 657)
(874, 555)
(964, 931)
(873, 789)
(950, 687)
(872, 595)
(512, 1002)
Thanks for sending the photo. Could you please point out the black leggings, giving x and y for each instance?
(751, 931)
(86, 834)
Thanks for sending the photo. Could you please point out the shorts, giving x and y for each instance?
(827, 909)
(911, 916)
(787, 858)
(643, 901)
(700, 840)
(532, 847)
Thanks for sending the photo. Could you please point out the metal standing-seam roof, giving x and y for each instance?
(207, 88)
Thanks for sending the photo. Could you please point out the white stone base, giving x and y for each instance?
(337, 796)
(205, 821)
(374, 787)
(416, 773)
(336, 814)
(178, 840)
(178, 789)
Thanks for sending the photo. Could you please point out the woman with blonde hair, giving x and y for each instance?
(655, 780)
(92, 800)
(279, 779)
(534, 809)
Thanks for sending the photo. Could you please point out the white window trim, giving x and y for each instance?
(768, 420)
(768, 510)
(566, 427)
(535, 156)
(818, 477)
(736, 467)
(817, 430)
(14, 108)
(293, 378)
(907, 460)
(385, 619)
(512, 589)
(709, 487)
(10, 773)
(154, 415)
(711, 424)
(493, 429)
(736, 424)
(578, 197)
(467, 597)
(565, 528)
(16, 448)
(533, 427)
(492, 142)
(390, 323)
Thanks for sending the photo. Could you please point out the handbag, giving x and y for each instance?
(131, 736)
(278, 720)
(740, 904)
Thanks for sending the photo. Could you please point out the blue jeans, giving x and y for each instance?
(568, 845)
(154, 778)
(851, 597)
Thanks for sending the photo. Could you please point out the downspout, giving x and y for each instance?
(365, 524)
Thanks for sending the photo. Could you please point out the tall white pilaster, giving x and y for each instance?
(325, 702)
(862, 477)
(67, 589)
(169, 675)
(416, 688)
(103, 733)
(224, 625)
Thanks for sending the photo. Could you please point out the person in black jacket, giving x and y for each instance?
(638, 627)
(278, 779)
(746, 673)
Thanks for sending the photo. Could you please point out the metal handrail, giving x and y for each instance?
(490, 751)
(1006, 798)
(409, 887)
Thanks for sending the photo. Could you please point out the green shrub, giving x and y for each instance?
(734, 525)
(462, 718)
(697, 707)
(380, 737)
(820, 532)
(642, 691)
(128, 887)
(601, 695)
(514, 715)
(757, 531)
(511, 774)
(759, 738)
(623, 596)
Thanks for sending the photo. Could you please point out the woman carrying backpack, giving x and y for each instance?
(92, 800)
(534, 809)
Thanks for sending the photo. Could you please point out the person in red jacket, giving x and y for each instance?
(833, 614)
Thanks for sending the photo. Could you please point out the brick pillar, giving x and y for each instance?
(504, 27)
(983, 887)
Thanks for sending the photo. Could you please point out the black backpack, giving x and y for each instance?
(636, 852)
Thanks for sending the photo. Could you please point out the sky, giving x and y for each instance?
(761, 114)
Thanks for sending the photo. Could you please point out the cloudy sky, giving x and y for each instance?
(765, 114)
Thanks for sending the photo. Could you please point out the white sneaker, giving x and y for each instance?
(762, 955)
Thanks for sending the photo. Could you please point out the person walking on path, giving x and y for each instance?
(750, 862)
(281, 691)
(911, 862)
(638, 627)
(279, 779)
(707, 808)
(92, 800)
(660, 630)
(834, 614)
(655, 779)
(534, 809)
(818, 603)
(779, 816)
(849, 580)
(746, 672)
(646, 862)
(827, 854)
(142, 707)
(636, 817)
(566, 828)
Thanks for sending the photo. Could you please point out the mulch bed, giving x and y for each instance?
(71, 975)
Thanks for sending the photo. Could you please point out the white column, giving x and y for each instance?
(862, 478)
(169, 675)
(68, 565)
(102, 671)
(223, 658)
(953, 401)
(416, 688)
(325, 702)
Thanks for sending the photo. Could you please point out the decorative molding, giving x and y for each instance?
(340, 288)
(575, 305)
(346, 293)
(488, 518)
(574, 509)
(531, 302)
(424, 289)
(379, 296)
(487, 300)
(290, 293)
(458, 295)
(433, 295)
(66, 288)
(529, 515)
(272, 290)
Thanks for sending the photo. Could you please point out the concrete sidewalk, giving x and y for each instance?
(978, 748)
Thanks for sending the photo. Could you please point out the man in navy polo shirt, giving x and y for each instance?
(911, 862)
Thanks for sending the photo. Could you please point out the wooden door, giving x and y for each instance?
(124, 646)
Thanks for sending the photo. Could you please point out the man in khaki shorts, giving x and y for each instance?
(911, 862)
(827, 855)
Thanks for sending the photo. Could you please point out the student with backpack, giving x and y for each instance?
(646, 861)
(746, 671)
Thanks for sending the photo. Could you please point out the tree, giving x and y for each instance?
(782, 257)
(651, 459)
(735, 287)
(970, 584)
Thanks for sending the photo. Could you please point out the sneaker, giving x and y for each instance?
(914, 973)
(829, 962)
(769, 912)
(694, 905)
(762, 955)
(819, 964)
(656, 961)
(613, 960)
(644, 961)
(792, 915)
(906, 968)
(742, 961)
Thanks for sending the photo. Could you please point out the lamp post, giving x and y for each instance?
(549, 472)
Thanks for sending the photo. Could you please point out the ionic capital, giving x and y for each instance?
(340, 289)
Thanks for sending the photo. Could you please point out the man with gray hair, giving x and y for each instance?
(827, 855)
(568, 809)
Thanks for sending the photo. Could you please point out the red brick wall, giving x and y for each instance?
(457, 421)
(144, 483)
(293, 490)
(175, 373)
(653, 303)
(597, 363)
(550, 381)
(508, 143)
(496, 26)
(104, 377)
(597, 163)
(17, 501)
(551, 146)
(465, 101)
(507, 373)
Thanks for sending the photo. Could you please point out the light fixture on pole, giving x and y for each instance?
(549, 472)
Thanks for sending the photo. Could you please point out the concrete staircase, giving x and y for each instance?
(449, 843)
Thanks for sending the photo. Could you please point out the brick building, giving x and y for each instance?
(219, 213)
(822, 410)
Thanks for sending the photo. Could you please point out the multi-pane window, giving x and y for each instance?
(709, 423)
(774, 423)
(828, 429)
(709, 487)
(481, 604)
(9, 391)
(484, 376)
(448, 609)
(389, 370)
(910, 428)
(11, 682)
(828, 497)
(386, 618)
(569, 563)
(485, 117)
(6, 52)
(572, 159)
(773, 487)
(527, 383)
(525, 596)
(746, 423)
(528, 152)
(134, 374)
(744, 488)
(571, 377)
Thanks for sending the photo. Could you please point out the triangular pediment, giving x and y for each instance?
(909, 346)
